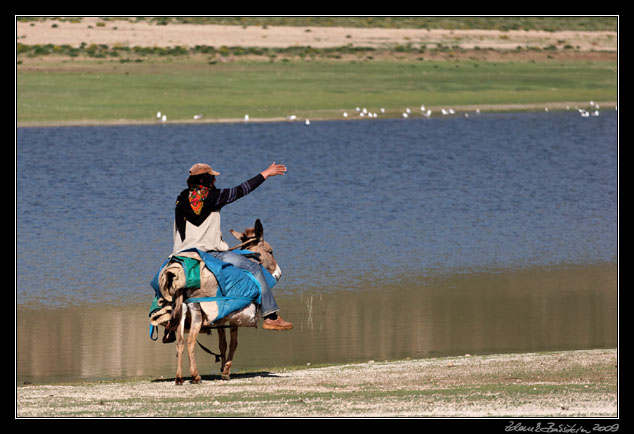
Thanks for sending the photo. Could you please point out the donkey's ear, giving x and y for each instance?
(259, 229)
(236, 234)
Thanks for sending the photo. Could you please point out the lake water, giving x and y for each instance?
(397, 238)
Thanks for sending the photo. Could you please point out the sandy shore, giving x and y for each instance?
(559, 384)
(460, 110)
(145, 34)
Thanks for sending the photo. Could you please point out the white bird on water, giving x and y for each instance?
(246, 118)
(307, 122)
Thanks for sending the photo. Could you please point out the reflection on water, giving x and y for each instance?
(534, 309)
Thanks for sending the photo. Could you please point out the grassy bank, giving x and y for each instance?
(559, 384)
(104, 91)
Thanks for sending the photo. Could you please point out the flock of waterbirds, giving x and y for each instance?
(591, 111)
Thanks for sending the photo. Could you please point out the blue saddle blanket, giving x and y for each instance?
(237, 288)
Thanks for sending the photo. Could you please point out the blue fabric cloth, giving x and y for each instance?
(268, 305)
(237, 288)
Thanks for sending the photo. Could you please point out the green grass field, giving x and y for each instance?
(107, 91)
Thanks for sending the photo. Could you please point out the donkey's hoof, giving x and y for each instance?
(196, 379)
(225, 374)
(179, 381)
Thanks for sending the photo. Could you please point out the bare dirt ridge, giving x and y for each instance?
(92, 30)
(559, 384)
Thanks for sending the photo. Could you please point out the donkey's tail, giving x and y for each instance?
(178, 307)
(177, 313)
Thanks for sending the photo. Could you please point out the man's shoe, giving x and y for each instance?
(276, 324)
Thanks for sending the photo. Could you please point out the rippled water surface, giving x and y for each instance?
(509, 208)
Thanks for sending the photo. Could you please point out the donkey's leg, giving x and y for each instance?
(180, 345)
(225, 364)
(222, 346)
(194, 329)
(233, 344)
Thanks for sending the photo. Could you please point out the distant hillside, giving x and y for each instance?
(578, 23)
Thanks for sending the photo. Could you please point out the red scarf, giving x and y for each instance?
(197, 196)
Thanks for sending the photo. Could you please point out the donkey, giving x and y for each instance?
(196, 315)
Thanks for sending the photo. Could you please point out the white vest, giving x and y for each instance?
(205, 237)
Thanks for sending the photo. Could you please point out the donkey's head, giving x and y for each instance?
(252, 239)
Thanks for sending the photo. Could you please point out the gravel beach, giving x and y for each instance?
(558, 384)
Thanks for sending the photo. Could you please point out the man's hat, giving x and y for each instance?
(200, 168)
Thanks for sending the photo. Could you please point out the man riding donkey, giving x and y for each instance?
(197, 225)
